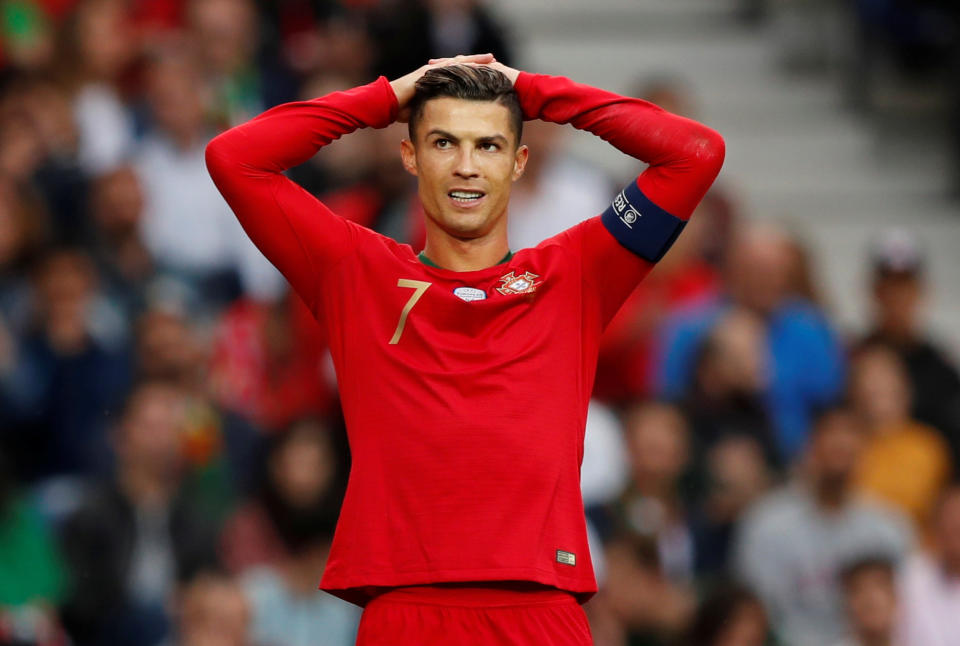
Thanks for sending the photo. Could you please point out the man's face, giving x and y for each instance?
(872, 602)
(758, 270)
(465, 157)
(836, 447)
(897, 300)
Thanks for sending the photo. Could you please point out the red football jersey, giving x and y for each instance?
(464, 393)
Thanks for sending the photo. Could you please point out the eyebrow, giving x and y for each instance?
(499, 138)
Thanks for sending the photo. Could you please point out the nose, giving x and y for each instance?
(466, 167)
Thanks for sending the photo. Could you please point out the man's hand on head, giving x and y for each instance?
(509, 72)
(404, 86)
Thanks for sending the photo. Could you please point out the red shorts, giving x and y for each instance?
(473, 616)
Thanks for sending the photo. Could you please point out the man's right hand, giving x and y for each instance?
(404, 86)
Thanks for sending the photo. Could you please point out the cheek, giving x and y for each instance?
(501, 174)
(432, 169)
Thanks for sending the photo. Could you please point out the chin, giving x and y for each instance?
(465, 226)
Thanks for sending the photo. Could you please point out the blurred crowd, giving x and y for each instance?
(172, 456)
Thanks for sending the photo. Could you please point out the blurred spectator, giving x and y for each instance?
(806, 365)
(51, 174)
(66, 374)
(212, 611)
(409, 32)
(243, 84)
(30, 625)
(125, 265)
(168, 347)
(792, 543)
(652, 506)
(282, 541)
(299, 499)
(556, 191)
(904, 463)
(31, 570)
(930, 586)
(134, 537)
(899, 290)
(736, 476)
(730, 615)
(187, 226)
(97, 47)
(870, 595)
(21, 144)
(730, 377)
(59, 179)
(220, 446)
(801, 281)
(289, 610)
(649, 608)
(26, 36)
(21, 234)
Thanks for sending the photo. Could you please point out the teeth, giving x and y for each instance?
(465, 195)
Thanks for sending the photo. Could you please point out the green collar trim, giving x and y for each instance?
(422, 257)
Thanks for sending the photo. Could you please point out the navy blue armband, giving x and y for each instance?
(640, 225)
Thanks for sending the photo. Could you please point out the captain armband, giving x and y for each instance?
(640, 225)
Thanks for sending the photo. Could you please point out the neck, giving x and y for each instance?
(830, 495)
(143, 489)
(457, 254)
(875, 640)
(898, 333)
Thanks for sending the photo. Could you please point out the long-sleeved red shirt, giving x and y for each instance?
(464, 393)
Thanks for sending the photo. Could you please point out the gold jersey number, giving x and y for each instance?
(419, 287)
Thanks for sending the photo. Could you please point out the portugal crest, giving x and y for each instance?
(523, 284)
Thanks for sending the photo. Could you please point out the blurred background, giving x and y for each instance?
(771, 449)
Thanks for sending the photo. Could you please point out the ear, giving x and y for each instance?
(408, 154)
(520, 162)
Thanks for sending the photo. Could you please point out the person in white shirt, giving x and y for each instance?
(930, 584)
(187, 226)
(793, 543)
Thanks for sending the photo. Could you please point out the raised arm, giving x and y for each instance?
(293, 229)
(684, 156)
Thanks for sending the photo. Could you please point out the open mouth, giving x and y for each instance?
(466, 198)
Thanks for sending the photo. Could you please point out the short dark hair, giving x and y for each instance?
(872, 562)
(470, 82)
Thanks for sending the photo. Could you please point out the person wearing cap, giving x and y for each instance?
(899, 292)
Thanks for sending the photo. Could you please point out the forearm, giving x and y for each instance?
(293, 229)
(684, 156)
(290, 134)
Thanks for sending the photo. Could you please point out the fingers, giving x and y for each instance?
(463, 58)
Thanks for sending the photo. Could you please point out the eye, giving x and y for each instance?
(489, 147)
(442, 143)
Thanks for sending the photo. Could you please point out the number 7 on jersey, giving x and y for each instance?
(419, 287)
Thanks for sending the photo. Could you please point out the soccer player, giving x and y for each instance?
(464, 371)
